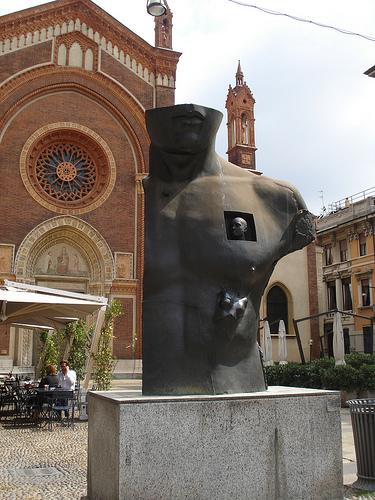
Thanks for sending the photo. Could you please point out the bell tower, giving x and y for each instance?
(163, 29)
(240, 112)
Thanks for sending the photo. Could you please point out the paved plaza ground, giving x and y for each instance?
(36, 464)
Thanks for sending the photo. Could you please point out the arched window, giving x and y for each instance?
(75, 55)
(277, 308)
(89, 60)
(234, 139)
(61, 55)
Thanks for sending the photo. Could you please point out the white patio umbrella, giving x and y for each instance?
(283, 355)
(267, 342)
(38, 306)
(338, 340)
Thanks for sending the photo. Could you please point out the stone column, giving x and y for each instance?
(24, 348)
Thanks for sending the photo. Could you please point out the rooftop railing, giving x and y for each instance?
(349, 200)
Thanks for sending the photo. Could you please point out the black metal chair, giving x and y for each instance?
(8, 400)
(26, 407)
(60, 406)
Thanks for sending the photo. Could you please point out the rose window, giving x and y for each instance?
(66, 172)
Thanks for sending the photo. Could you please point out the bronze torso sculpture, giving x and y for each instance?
(214, 233)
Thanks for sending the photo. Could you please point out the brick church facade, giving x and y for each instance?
(75, 84)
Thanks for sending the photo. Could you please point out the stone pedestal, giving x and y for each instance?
(284, 444)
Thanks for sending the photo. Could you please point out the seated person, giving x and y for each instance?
(51, 378)
(67, 378)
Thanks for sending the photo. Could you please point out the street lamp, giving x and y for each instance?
(371, 72)
(156, 8)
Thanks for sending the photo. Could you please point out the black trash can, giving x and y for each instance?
(362, 413)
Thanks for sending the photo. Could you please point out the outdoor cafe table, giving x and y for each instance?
(52, 402)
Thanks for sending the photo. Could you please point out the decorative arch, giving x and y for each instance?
(279, 306)
(110, 95)
(73, 231)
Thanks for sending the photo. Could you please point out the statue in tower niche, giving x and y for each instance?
(213, 235)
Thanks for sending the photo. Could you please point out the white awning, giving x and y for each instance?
(36, 306)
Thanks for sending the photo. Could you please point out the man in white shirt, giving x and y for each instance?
(67, 378)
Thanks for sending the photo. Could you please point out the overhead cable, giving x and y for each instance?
(303, 20)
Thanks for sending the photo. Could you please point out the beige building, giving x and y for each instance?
(347, 261)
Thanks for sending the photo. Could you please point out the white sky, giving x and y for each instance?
(315, 109)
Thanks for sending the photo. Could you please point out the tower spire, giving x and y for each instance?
(239, 75)
(241, 137)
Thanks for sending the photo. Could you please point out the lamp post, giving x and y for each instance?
(370, 72)
(156, 8)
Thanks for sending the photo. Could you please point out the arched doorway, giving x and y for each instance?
(66, 252)
(277, 308)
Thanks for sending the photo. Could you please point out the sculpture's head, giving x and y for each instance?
(184, 128)
(238, 228)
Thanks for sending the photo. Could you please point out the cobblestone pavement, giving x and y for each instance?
(37, 464)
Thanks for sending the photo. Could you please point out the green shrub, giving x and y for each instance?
(343, 377)
(104, 360)
(356, 360)
(358, 373)
(273, 376)
(323, 363)
(52, 343)
(322, 374)
(313, 376)
(294, 375)
(50, 351)
(81, 335)
(367, 377)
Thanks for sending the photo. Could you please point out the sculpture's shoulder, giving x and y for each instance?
(282, 188)
(265, 186)
(284, 203)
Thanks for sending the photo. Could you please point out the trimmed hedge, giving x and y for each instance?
(357, 374)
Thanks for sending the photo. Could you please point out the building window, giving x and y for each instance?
(67, 168)
(331, 295)
(343, 250)
(346, 340)
(347, 294)
(328, 255)
(277, 308)
(66, 172)
(234, 138)
(368, 340)
(362, 244)
(365, 292)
